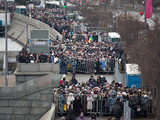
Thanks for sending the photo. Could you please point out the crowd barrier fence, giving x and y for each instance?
(89, 66)
(100, 107)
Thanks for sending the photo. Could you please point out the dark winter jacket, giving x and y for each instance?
(77, 106)
(116, 110)
(70, 114)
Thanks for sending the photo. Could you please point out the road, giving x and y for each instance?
(118, 77)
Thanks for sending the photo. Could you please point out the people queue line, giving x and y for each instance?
(108, 97)
(94, 55)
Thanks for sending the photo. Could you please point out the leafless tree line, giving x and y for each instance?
(144, 49)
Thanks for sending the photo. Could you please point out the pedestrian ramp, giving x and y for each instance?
(50, 115)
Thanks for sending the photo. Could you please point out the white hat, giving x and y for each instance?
(70, 87)
(145, 96)
(124, 93)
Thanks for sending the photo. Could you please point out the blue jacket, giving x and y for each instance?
(102, 64)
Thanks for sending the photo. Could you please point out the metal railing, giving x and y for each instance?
(89, 66)
(99, 106)
(127, 111)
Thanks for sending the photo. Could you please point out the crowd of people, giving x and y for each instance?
(97, 96)
(82, 56)
(10, 5)
(82, 47)
(54, 17)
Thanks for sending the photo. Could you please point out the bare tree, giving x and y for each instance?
(144, 49)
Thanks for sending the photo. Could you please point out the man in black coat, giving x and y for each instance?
(73, 81)
(116, 110)
(70, 113)
(77, 106)
(97, 67)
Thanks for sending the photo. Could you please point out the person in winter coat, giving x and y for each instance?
(89, 102)
(81, 117)
(74, 64)
(73, 81)
(77, 106)
(146, 103)
(111, 101)
(116, 110)
(84, 102)
(61, 103)
(133, 103)
(92, 81)
(70, 100)
(97, 66)
(99, 83)
(70, 113)
(93, 117)
(102, 64)
(63, 65)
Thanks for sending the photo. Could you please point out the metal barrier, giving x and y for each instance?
(99, 107)
(98, 104)
(88, 66)
(127, 111)
(147, 107)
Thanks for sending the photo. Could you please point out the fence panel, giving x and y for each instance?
(98, 106)
(127, 111)
(88, 66)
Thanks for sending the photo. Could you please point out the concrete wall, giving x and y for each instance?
(12, 64)
(28, 101)
(25, 72)
(10, 54)
(18, 28)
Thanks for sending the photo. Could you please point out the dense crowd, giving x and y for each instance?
(55, 18)
(10, 5)
(99, 96)
(81, 55)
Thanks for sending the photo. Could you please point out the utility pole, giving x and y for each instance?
(45, 4)
(6, 47)
(145, 11)
(27, 34)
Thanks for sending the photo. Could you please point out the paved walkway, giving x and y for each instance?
(117, 76)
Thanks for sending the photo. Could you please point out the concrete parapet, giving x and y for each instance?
(26, 72)
(18, 28)
(50, 115)
(30, 100)
(36, 67)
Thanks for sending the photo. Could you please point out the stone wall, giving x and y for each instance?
(18, 28)
(29, 100)
(25, 72)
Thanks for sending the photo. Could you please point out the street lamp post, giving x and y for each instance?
(6, 47)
